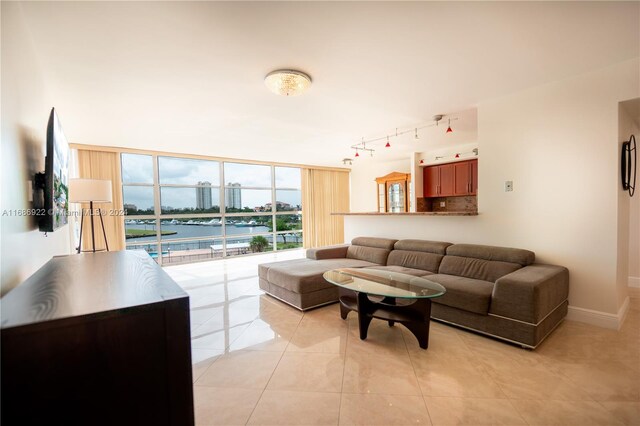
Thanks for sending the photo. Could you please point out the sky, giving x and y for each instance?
(139, 169)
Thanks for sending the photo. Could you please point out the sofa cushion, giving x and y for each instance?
(501, 254)
(464, 293)
(402, 270)
(370, 249)
(383, 243)
(263, 268)
(415, 259)
(328, 252)
(437, 247)
(369, 254)
(306, 276)
(479, 269)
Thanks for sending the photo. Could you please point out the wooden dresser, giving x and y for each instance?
(97, 339)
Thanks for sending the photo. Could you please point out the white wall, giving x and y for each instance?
(25, 111)
(629, 207)
(558, 144)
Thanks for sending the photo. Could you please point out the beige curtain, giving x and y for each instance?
(103, 165)
(323, 192)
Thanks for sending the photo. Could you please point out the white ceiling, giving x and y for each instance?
(188, 77)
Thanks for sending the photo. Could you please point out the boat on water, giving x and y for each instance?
(244, 224)
(212, 222)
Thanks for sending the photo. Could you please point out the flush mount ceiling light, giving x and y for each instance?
(287, 82)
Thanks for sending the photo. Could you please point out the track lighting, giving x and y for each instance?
(435, 119)
(473, 152)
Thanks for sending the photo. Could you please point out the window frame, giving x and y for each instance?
(159, 216)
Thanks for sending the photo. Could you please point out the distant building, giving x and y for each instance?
(280, 205)
(131, 207)
(233, 196)
(203, 196)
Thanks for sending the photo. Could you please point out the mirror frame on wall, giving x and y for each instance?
(384, 183)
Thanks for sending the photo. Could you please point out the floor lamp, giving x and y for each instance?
(90, 191)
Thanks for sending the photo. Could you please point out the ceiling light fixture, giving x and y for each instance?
(435, 119)
(347, 161)
(287, 82)
(449, 128)
(473, 152)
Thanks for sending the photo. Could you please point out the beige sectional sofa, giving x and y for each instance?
(493, 290)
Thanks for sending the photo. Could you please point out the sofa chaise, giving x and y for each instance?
(497, 291)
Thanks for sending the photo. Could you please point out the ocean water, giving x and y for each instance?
(199, 231)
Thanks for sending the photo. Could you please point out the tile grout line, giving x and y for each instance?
(344, 367)
(415, 374)
(483, 369)
(272, 373)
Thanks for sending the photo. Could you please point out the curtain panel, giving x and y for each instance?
(323, 192)
(103, 165)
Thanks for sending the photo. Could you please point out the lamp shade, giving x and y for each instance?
(86, 190)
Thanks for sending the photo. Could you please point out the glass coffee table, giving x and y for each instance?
(390, 296)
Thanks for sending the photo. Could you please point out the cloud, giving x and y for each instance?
(288, 177)
(188, 171)
(140, 196)
(248, 174)
(137, 168)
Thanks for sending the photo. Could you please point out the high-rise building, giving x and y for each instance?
(203, 196)
(233, 196)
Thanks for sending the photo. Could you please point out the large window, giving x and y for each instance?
(137, 184)
(288, 184)
(182, 209)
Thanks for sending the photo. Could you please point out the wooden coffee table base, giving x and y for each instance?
(414, 314)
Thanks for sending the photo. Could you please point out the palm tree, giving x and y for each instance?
(258, 243)
(281, 225)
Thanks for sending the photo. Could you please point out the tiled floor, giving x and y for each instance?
(259, 361)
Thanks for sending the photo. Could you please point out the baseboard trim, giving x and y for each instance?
(599, 318)
(634, 282)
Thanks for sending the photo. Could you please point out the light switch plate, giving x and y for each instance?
(508, 186)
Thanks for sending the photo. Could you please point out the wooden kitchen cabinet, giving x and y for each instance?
(450, 180)
(431, 181)
(439, 181)
(466, 177)
(474, 176)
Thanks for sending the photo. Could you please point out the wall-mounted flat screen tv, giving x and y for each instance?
(56, 177)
